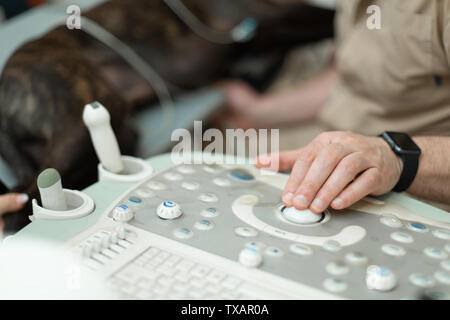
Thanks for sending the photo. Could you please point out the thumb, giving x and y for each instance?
(284, 161)
(12, 202)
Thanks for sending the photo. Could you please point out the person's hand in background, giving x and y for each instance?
(247, 108)
(337, 169)
(11, 202)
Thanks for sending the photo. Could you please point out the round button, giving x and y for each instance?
(210, 213)
(246, 232)
(135, 201)
(144, 193)
(391, 221)
(335, 285)
(173, 176)
(446, 265)
(256, 245)
(393, 250)
(332, 246)
(301, 249)
(213, 168)
(274, 252)
(241, 175)
(188, 185)
(122, 213)
(169, 210)
(156, 185)
(183, 233)
(300, 216)
(443, 277)
(380, 278)
(421, 280)
(356, 258)
(222, 182)
(402, 237)
(186, 169)
(436, 253)
(337, 268)
(208, 197)
(204, 225)
(417, 227)
(442, 234)
(250, 257)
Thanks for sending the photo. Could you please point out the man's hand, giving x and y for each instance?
(337, 169)
(10, 203)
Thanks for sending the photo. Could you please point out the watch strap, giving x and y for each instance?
(410, 167)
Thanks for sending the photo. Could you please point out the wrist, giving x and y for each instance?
(394, 161)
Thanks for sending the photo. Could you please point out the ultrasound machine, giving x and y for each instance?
(214, 230)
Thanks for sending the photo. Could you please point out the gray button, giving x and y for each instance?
(144, 193)
(156, 185)
(183, 233)
(274, 252)
(393, 250)
(332, 245)
(442, 234)
(337, 268)
(255, 245)
(208, 197)
(173, 176)
(186, 169)
(222, 182)
(421, 280)
(246, 232)
(417, 227)
(189, 185)
(446, 265)
(212, 168)
(436, 253)
(210, 213)
(356, 258)
(442, 277)
(204, 225)
(335, 285)
(391, 221)
(402, 237)
(301, 249)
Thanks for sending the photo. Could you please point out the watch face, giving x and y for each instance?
(403, 143)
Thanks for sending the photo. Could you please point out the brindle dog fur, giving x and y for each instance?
(47, 81)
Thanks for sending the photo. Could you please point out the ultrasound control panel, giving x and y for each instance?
(221, 231)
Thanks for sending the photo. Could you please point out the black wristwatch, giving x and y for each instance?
(404, 147)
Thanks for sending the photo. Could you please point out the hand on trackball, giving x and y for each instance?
(336, 169)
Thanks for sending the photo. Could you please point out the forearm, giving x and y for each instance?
(433, 177)
(302, 103)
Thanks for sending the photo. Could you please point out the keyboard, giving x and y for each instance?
(221, 232)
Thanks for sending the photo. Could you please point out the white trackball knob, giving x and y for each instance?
(250, 257)
(301, 216)
(169, 210)
(380, 278)
(123, 213)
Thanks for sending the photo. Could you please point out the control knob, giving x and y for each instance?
(123, 213)
(380, 278)
(169, 210)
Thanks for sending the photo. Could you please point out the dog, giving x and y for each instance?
(47, 81)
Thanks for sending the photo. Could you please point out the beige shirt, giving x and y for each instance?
(395, 78)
